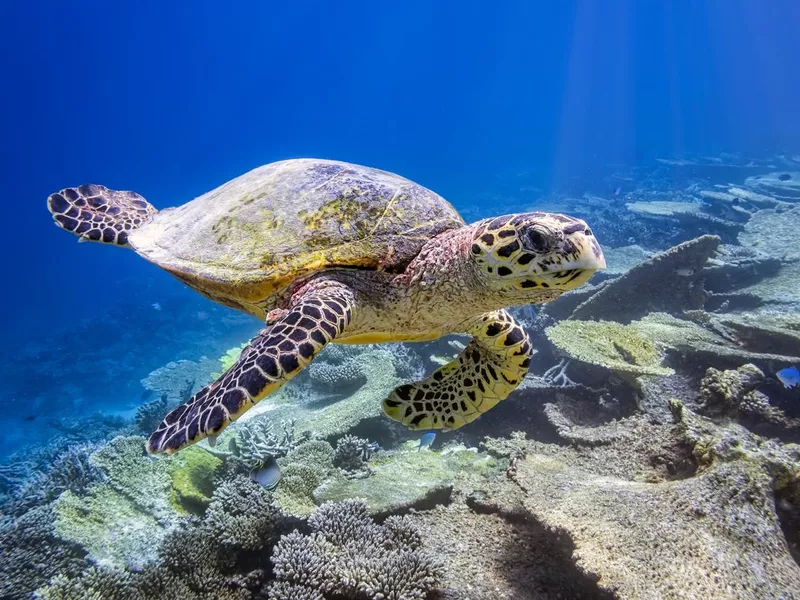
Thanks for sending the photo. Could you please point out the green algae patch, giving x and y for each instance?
(620, 348)
(193, 480)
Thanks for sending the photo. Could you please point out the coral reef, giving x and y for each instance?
(150, 414)
(347, 555)
(784, 185)
(193, 479)
(31, 554)
(690, 216)
(70, 470)
(303, 470)
(120, 522)
(723, 392)
(695, 344)
(178, 380)
(352, 454)
(768, 230)
(647, 454)
(671, 281)
(242, 515)
(256, 440)
(408, 479)
(734, 393)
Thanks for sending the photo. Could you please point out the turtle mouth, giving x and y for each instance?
(568, 279)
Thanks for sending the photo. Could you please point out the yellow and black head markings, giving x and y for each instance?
(538, 252)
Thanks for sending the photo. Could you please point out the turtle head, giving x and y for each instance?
(535, 257)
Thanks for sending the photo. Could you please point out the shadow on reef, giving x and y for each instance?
(539, 560)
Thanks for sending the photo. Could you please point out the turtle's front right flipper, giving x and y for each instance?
(97, 214)
(271, 359)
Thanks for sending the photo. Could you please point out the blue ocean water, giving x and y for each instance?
(496, 106)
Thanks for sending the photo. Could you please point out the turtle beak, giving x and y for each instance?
(587, 255)
(581, 257)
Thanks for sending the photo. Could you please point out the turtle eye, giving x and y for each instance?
(537, 239)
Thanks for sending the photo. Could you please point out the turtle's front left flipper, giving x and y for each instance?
(271, 359)
(486, 372)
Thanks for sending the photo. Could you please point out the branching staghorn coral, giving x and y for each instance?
(31, 554)
(150, 414)
(348, 555)
(352, 453)
(70, 470)
(221, 557)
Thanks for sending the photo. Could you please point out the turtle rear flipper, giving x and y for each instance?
(97, 214)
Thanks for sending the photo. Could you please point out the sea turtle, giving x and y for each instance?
(324, 251)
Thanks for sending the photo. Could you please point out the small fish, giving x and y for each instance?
(618, 190)
(426, 440)
(684, 272)
(202, 315)
(789, 377)
(268, 474)
(156, 306)
(30, 418)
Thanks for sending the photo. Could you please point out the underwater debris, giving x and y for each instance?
(557, 374)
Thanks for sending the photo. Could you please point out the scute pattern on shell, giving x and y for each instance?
(249, 238)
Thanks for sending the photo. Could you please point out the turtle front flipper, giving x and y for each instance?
(271, 359)
(486, 372)
(97, 214)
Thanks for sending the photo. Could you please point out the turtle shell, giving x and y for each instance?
(248, 239)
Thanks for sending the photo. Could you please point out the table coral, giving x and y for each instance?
(620, 348)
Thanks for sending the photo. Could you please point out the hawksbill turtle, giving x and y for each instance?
(324, 251)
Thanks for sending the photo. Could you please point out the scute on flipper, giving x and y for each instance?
(257, 233)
